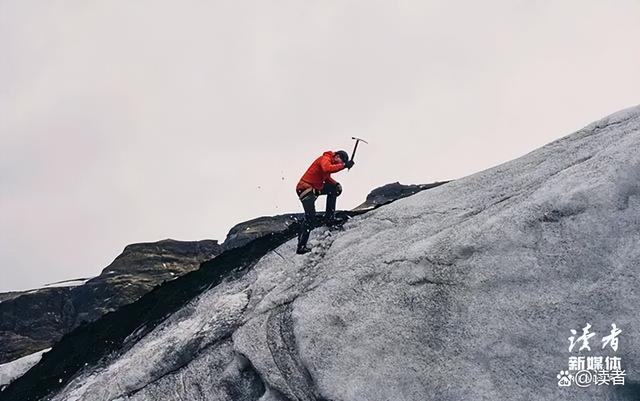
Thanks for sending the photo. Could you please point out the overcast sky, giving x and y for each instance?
(133, 121)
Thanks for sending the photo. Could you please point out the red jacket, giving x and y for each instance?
(320, 172)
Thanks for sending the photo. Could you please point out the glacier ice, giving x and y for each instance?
(464, 291)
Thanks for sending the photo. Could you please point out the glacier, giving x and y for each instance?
(465, 291)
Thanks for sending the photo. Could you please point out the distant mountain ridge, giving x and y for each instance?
(35, 319)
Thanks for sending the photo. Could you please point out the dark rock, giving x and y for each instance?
(33, 320)
(391, 192)
(136, 271)
(243, 233)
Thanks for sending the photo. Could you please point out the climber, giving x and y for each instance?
(317, 181)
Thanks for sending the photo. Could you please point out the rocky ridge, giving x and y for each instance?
(33, 320)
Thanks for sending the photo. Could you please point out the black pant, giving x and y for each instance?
(309, 204)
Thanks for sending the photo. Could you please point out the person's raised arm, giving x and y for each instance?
(329, 167)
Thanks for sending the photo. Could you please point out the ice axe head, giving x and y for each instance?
(358, 140)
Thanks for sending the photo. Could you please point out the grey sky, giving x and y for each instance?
(133, 121)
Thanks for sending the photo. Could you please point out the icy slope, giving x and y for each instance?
(465, 291)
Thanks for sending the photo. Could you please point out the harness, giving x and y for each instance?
(303, 193)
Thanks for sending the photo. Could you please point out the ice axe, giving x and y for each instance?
(358, 140)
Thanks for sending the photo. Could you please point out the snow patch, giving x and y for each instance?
(14, 369)
(67, 283)
(61, 284)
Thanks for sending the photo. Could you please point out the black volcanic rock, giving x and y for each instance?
(243, 233)
(33, 320)
(137, 270)
(394, 191)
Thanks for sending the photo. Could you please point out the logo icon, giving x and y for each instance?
(564, 378)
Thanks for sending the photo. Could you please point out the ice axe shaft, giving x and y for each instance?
(358, 140)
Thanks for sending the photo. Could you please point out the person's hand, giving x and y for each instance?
(349, 164)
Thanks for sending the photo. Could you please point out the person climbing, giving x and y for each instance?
(317, 181)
